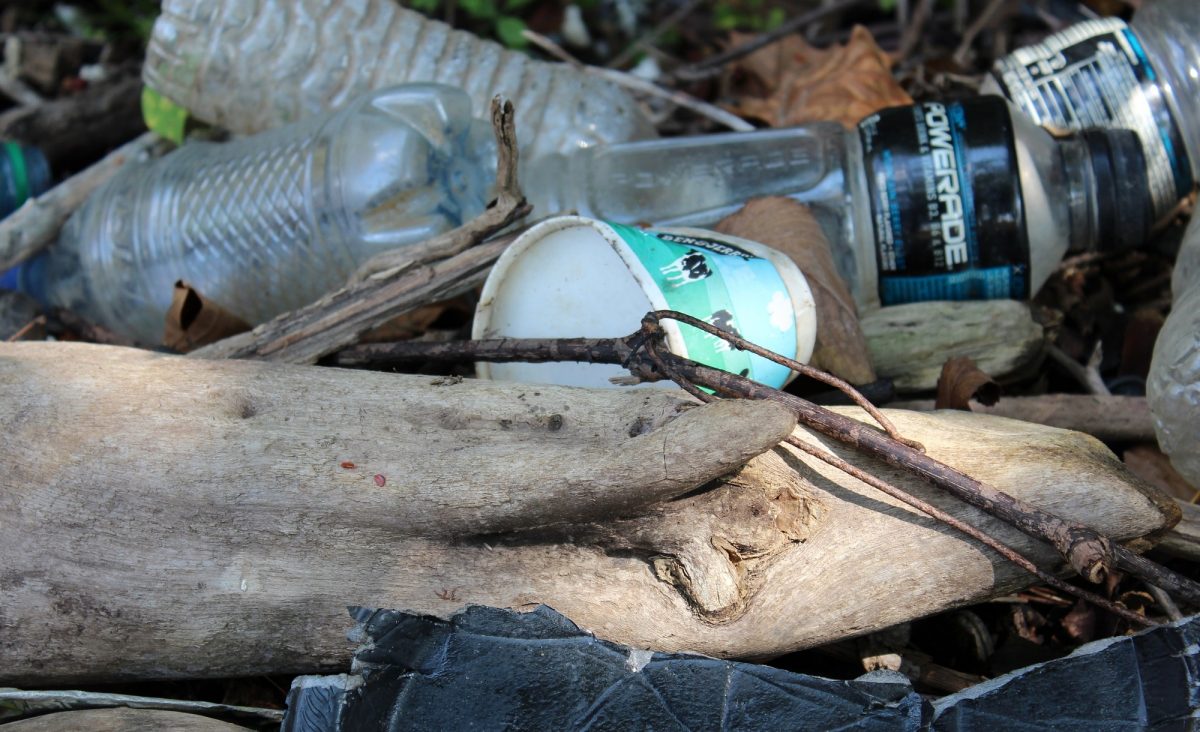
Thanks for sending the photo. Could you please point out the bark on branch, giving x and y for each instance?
(166, 516)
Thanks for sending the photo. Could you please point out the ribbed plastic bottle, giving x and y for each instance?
(1173, 387)
(934, 201)
(269, 223)
(1144, 76)
(252, 65)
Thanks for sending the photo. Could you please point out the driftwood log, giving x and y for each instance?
(909, 343)
(122, 720)
(1111, 418)
(171, 517)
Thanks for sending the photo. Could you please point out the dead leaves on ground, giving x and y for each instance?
(193, 320)
(793, 82)
(961, 381)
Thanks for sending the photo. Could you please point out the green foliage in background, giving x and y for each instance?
(164, 117)
(747, 15)
(110, 20)
(497, 16)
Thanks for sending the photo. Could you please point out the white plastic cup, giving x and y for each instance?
(574, 277)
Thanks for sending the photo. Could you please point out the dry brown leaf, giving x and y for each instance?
(1148, 463)
(194, 321)
(1028, 622)
(790, 227)
(407, 325)
(796, 83)
(1080, 623)
(960, 382)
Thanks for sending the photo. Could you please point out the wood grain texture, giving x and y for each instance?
(1107, 418)
(121, 720)
(909, 343)
(171, 517)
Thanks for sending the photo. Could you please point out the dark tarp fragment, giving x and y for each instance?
(494, 669)
(1149, 681)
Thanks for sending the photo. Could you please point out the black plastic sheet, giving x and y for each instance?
(497, 669)
(1150, 681)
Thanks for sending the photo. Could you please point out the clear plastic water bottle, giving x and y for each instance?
(935, 201)
(1173, 387)
(269, 223)
(1144, 76)
(251, 65)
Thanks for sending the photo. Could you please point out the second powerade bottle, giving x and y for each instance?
(1142, 76)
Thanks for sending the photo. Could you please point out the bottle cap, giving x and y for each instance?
(24, 173)
(1123, 201)
(10, 279)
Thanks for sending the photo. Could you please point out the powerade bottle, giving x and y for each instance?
(934, 201)
(1142, 76)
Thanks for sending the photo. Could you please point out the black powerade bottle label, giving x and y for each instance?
(1096, 74)
(946, 203)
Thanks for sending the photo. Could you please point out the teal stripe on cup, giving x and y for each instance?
(724, 285)
(571, 276)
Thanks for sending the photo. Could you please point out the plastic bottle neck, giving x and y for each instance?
(1108, 194)
(1082, 205)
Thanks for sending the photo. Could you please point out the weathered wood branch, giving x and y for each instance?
(1105, 417)
(180, 517)
(123, 720)
(1090, 553)
(909, 343)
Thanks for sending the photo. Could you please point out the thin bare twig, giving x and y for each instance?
(26, 329)
(977, 26)
(936, 513)
(651, 347)
(800, 368)
(682, 99)
(1088, 376)
(60, 321)
(1165, 602)
(652, 35)
(913, 31)
(629, 81)
(552, 48)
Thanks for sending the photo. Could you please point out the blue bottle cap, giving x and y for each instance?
(11, 279)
